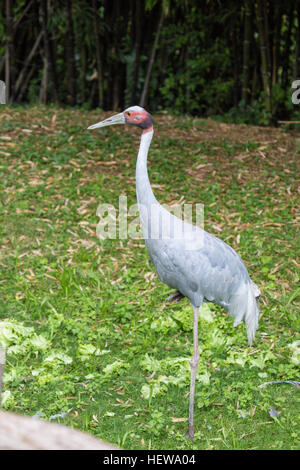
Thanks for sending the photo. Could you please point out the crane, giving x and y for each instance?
(190, 260)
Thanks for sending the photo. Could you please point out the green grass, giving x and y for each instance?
(84, 321)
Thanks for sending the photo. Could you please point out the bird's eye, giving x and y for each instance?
(128, 113)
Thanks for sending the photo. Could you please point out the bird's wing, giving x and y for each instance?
(199, 265)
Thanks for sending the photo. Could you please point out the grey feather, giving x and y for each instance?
(196, 263)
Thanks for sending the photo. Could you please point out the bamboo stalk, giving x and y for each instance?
(98, 54)
(246, 52)
(152, 57)
(264, 55)
(27, 62)
(8, 49)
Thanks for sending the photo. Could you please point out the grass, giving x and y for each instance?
(88, 335)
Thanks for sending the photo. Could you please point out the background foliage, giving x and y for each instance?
(205, 58)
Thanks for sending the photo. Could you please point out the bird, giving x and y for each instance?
(197, 264)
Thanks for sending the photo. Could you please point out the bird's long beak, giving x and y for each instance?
(117, 119)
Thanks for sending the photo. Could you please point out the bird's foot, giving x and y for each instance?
(190, 433)
(175, 297)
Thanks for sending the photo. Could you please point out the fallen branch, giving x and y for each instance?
(288, 122)
(25, 433)
(291, 382)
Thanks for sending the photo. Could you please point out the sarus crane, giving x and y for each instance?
(195, 263)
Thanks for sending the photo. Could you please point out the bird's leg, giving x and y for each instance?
(194, 364)
(175, 296)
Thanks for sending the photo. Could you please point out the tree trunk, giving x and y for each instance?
(44, 84)
(267, 35)
(49, 66)
(25, 83)
(25, 11)
(27, 62)
(296, 71)
(93, 93)
(276, 36)
(287, 47)
(235, 60)
(138, 37)
(263, 55)
(2, 63)
(115, 105)
(246, 51)
(83, 72)
(152, 57)
(8, 49)
(71, 55)
(98, 54)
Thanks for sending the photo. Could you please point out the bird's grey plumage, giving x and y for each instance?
(196, 264)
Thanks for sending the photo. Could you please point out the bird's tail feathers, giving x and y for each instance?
(255, 289)
(244, 307)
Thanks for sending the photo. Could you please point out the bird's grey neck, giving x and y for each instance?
(144, 192)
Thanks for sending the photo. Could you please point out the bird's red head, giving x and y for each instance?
(137, 116)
